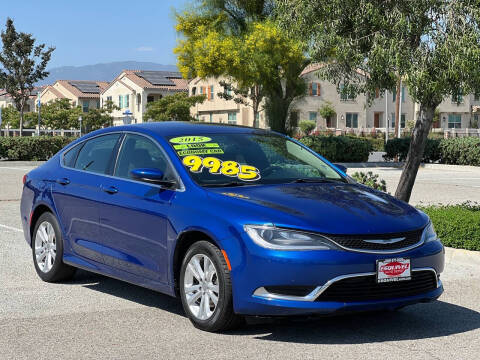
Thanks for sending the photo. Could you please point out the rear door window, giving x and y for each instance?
(97, 154)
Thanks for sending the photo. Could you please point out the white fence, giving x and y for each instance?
(33, 132)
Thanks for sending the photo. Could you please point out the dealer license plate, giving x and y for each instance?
(396, 269)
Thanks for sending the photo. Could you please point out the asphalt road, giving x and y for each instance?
(96, 317)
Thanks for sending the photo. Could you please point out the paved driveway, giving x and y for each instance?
(435, 184)
(100, 318)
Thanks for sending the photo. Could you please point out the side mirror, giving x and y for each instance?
(151, 175)
(341, 167)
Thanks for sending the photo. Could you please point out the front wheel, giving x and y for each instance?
(206, 288)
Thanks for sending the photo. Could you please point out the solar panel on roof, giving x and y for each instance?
(159, 77)
(89, 88)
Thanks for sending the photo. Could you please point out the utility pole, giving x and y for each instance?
(387, 122)
(39, 106)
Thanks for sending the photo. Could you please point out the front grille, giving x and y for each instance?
(357, 242)
(291, 290)
(365, 288)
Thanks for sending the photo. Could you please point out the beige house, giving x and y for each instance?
(132, 90)
(218, 110)
(6, 99)
(352, 112)
(82, 93)
(459, 112)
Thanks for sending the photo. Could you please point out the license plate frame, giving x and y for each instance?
(392, 270)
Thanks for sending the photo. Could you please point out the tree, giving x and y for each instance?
(60, 114)
(23, 65)
(11, 116)
(327, 111)
(173, 107)
(434, 45)
(239, 40)
(307, 126)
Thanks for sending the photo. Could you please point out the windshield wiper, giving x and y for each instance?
(227, 184)
(315, 180)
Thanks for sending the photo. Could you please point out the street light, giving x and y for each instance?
(80, 121)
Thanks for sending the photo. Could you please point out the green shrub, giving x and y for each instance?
(340, 148)
(32, 148)
(370, 179)
(378, 144)
(307, 126)
(460, 151)
(457, 226)
(399, 147)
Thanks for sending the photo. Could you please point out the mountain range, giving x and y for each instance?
(100, 72)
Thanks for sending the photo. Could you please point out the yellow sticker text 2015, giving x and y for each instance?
(219, 167)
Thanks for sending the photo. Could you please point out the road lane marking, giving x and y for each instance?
(15, 168)
(11, 228)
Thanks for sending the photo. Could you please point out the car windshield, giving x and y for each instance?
(244, 159)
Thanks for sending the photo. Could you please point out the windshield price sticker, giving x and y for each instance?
(393, 270)
(218, 167)
(190, 139)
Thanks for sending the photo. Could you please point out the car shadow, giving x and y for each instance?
(127, 291)
(421, 321)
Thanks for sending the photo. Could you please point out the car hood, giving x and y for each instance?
(332, 208)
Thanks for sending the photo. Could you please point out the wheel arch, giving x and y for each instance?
(184, 241)
(36, 213)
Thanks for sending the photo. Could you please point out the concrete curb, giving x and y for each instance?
(460, 256)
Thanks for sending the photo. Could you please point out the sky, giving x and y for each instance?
(89, 32)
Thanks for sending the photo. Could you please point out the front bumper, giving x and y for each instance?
(320, 269)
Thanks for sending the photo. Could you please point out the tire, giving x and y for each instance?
(49, 265)
(219, 317)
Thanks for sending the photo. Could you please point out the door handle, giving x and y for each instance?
(63, 181)
(110, 189)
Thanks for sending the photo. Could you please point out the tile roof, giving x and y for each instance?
(317, 66)
(75, 91)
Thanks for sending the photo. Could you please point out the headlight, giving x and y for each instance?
(429, 233)
(271, 237)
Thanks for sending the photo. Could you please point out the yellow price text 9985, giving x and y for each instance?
(216, 166)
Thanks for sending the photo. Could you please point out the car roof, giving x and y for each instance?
(178, 128)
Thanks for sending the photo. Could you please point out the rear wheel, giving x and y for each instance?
(206, 289)
(47, 250)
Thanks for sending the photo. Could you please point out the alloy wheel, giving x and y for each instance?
(201, 286)
(45, 246)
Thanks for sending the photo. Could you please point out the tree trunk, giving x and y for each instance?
(21, 122)
(397, 107)
(415, 152)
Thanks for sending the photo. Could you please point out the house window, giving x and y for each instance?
(454, 121)
(194, 91)
(126, 100)
(85, 105)
(210, 92)
(377, 93)
(352, 120)
(314, 89)
(312, 116)
(402, 96)
(477, 97)
(232, 118)
(402, 120)
(109, 98)
(98, 104)
(139, 101)
(120, 101)
(150, 98)
(346, 94)
(457, 98)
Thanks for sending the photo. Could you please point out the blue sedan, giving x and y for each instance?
(235, 221)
